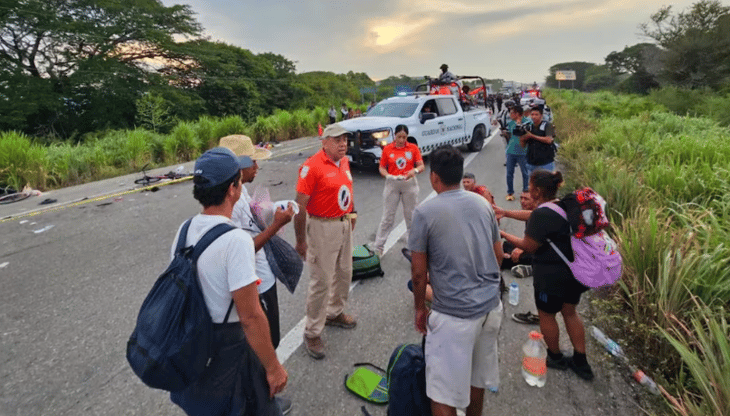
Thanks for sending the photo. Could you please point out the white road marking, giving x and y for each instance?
(294, 338)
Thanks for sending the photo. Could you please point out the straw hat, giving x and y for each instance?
(243, 146)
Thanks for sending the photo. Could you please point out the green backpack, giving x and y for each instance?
(365, 263)
(367, 384)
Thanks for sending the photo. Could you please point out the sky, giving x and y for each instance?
(515, 41)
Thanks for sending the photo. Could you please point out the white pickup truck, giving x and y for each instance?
(433, 120)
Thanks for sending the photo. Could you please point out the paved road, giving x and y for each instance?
(73, 279)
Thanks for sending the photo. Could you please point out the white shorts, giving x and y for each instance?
(461, 353)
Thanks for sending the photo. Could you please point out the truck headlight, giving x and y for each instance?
(380, 134)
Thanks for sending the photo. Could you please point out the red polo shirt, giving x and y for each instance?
(399, 161)
(328, 186)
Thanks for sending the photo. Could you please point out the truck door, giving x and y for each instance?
(431, 130)
(451, 121)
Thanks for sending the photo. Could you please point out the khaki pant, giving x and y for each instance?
(330, 271)
(396, 191)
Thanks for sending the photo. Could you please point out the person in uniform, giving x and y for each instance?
(446, 76)
(400, 163)
(323, 231)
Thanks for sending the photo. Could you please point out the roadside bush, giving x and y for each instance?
(704, 345)
(665, 178)
(205, 130)
(21, 162)
(305, 124)
(264, 129)
(678, 100)
(227, 126)
(182, 143)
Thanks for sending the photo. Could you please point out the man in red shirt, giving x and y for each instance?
(470, 184)
(400, 163)
(324, 193)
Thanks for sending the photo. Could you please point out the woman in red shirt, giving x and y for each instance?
(400, 163)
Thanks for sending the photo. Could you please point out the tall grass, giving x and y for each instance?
(104, 154)
(21, 161)
(667, 182)
(704, 345)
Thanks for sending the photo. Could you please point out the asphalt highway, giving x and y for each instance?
(73, 279)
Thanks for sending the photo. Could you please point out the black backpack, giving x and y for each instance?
(171, 345)
(407, 382)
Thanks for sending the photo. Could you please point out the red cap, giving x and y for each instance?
(535, 335)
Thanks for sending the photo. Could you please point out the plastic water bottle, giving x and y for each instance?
(609, 344)
(645, 381)
(534, 364)
(514, 294)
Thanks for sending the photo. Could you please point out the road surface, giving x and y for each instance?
(73, 279)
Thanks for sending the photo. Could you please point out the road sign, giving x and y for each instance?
(565, 75)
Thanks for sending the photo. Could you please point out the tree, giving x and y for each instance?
(78, 54)
(153, 113)
(600, 77)
(639, 57)
(667, 28)
(231, 80)
(51, 38)
(696, 41)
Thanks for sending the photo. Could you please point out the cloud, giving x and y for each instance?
(385, 36)
(414, 37)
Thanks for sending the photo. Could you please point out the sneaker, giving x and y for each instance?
(342, 320)
(583, 371)
(526, 318)
(314, 347)
(560, 364)
(522, 271)
(284, 404)
(510, 197)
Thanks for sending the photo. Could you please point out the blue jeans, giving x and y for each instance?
(550, 167)
(513, 160)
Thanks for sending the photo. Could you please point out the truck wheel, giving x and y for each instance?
(477, 139)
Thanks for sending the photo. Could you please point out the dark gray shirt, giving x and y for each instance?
(457, 231)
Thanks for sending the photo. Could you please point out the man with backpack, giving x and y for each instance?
(449, 249)
(244, 374)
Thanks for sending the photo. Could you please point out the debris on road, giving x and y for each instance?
(3, 265)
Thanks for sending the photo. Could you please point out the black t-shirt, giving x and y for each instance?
(552, 275)
(539, 153)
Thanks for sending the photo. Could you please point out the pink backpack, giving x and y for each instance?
(596, 260)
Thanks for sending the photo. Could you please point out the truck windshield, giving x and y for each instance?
(402, 110)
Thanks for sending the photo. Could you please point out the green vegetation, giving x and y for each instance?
(23, 161)
(690, 50)
(666, 179)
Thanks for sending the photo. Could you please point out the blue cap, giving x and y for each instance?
(218, 165)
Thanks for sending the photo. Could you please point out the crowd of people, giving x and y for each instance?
(456, 262)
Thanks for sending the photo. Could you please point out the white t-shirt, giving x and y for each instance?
(225, 266)
(243, 218)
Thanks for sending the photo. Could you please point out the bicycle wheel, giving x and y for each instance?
(18, 196)
(147, 180)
